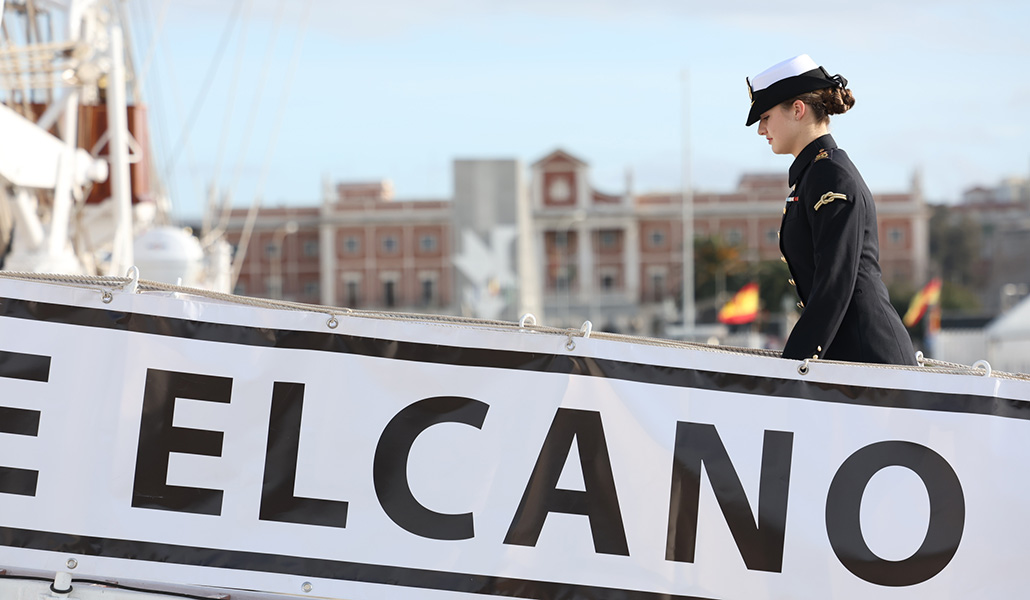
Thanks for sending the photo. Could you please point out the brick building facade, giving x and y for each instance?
(615, 259)
(360, 249)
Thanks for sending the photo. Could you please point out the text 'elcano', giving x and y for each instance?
(697, 447)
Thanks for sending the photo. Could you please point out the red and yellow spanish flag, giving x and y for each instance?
(742, 308)
(927, 297)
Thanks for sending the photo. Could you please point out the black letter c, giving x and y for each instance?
(390, 465)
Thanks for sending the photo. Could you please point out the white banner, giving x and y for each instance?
(185, 441)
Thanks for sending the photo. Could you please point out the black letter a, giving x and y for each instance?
(599, 502)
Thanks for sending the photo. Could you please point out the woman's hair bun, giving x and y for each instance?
(837, 100)
(825, 102)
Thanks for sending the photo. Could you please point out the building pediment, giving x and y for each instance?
(559, 158)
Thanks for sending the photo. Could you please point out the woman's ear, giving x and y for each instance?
(800, 108)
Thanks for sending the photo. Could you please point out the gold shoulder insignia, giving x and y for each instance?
(829, 197)
(822, 154)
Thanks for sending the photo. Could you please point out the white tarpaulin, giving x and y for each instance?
(1008, 339)
(181, 440)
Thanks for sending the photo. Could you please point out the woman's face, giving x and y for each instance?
(779, 126)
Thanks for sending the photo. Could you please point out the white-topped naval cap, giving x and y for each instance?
(791, 67)
(786, 80)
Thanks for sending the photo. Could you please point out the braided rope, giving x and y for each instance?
(110, 282)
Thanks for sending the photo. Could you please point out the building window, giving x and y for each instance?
(352, 292)
(311, 288)
(608, 281)
(772, 236)
(896, 236)
(351, 244)
(272, 250)
(561, 239)
(274, 288)
(428, 291)
(311, 248)
(427, 243)
(563, 279)
(733, 236)
(609, 239)
(389, 293)
(390, 244)
(657, 237)
(657, 277)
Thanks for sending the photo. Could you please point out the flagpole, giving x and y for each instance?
(687, 211)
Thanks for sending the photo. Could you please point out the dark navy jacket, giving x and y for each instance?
(829, 240)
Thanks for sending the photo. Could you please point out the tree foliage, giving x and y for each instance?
(955, 246)
(720, 270)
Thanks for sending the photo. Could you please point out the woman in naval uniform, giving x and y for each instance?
(828, 234)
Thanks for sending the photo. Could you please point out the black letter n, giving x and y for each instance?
(761, 544)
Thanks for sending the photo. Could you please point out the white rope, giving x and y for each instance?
(133, 275)
(106, 283)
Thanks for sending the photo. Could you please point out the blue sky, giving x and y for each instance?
(398, 89)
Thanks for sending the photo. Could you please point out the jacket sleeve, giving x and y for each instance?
(834, 211)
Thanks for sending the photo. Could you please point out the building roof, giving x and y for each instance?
(559, 156)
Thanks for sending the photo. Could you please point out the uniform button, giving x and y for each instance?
(801, 304)
(784, 210)
(777, 234)
(783, 258)
(791, 282)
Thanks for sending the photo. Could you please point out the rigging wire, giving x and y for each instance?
(156, 113)
(248, 226)
(157, 185)
(155, 36)
(208, 80)
(177, 98)
(227, 119)
(128, 51)
(251, 119)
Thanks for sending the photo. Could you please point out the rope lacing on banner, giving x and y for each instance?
(584, 331)
(528, 322)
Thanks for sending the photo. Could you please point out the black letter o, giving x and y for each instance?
(947, 513)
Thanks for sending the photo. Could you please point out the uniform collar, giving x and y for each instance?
(806, 156)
